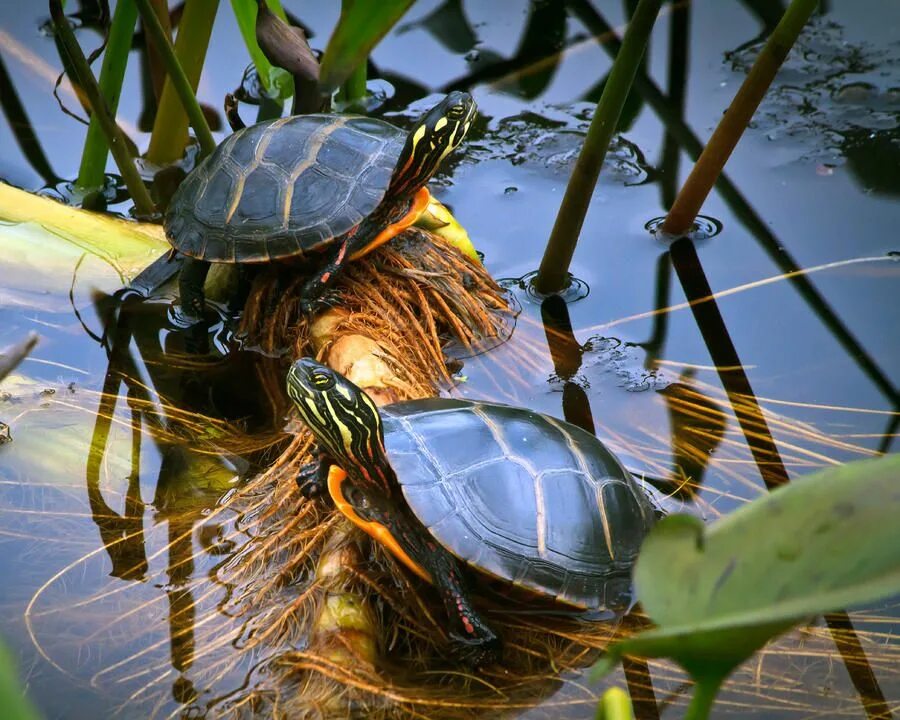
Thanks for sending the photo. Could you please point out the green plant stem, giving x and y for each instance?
(154, 54)
(183, 63)
(737, 117)
(354, 88)
(114, 137)
(554, 268)
(92, 173)
(704, 696)
(245, 12)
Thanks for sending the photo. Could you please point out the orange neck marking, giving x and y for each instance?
(376, 530)
(420, 201)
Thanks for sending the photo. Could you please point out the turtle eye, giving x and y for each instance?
(322, 381)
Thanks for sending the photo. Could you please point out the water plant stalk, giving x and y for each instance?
(353, 90)
(184, 62)
(143, 204)
(92, 172)
(553, 272)
(154, 55)
(705, 691)
(725, 137)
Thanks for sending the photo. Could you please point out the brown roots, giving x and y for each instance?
(341, 629)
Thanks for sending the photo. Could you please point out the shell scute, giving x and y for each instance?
(259, 200)
(241, 147)
(314, 193)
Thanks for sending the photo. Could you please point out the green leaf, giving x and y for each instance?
(12, 699)
(362, 24)
(718, 594)
(275, 80)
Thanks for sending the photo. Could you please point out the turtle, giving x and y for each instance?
(324, 186)
(447, 484)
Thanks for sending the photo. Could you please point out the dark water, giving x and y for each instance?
(813, 190)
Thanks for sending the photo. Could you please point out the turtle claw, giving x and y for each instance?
(477, 652)
(311, 479)
(327, 300)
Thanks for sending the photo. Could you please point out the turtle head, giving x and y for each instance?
(342, 418)
(434, 137)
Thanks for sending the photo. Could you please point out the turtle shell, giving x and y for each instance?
(521, 496)
(283, 188)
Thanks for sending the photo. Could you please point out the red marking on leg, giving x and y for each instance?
(324, 278)
(341, 253)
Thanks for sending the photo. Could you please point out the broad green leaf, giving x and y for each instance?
(718, 594)
(50, 250)
(362, 24)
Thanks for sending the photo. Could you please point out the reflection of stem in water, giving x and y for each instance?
(122, 536)
(847, 642)
(653, 345)
(181, 600)
(679, 34)
(22, 129)
(730, 370)
(13, 356)
(566, 354)
(697, 427)
(742, 210)
(888, 435)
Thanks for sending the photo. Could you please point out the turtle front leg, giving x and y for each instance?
(393, 525)
(474, 641)
(190, 287)
(313, 291)
(312, 480)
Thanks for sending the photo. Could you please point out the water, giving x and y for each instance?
(812, 186)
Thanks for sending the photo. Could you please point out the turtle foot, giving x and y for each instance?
(311, 306)
(309, 481)
(477, 652)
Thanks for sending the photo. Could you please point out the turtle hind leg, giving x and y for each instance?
(190, 287)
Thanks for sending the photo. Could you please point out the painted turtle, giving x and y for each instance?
(330, 186)
(517, 495)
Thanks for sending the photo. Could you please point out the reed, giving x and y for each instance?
(114, 136)
(735, 120)
(92, 172)
(554, 269)
(178, 103)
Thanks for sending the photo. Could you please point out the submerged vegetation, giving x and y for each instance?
(275, 607)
